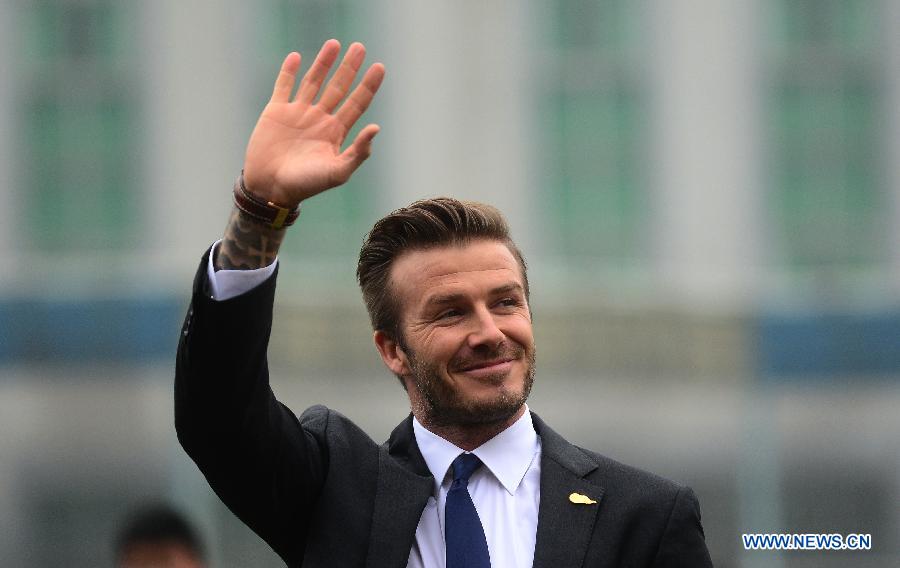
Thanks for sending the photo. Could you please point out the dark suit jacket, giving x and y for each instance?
(322, 493)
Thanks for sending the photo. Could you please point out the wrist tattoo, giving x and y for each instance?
(247, 244)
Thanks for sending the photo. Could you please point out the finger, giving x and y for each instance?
(312, 81)
(284, 83)
(340, 82)
(358, 101)
(359, 150)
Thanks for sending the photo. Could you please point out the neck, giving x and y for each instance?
(467, 436)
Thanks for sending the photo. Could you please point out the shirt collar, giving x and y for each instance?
(508, 455)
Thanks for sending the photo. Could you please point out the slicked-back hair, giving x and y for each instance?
(425, 224)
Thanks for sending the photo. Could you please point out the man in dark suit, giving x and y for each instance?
(471, 477)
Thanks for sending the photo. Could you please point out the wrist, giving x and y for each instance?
(262, 210)
(265, 189)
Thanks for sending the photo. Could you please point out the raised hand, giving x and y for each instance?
(295, 149)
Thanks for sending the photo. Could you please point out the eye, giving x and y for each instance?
(509, 302)
(448, 314)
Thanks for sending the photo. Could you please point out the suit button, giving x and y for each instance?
(187, 321)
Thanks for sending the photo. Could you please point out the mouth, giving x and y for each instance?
(486, 368)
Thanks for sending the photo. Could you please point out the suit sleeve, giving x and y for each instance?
(683, 544)
(267, 465)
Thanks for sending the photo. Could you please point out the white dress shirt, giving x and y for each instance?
(505, 490)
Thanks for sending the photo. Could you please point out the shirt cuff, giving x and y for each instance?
(226, 284)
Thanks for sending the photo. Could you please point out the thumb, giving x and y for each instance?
(360, 149)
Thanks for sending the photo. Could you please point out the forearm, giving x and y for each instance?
(227, 418)
(221, 362)
(247, 244)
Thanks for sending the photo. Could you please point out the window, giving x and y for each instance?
(827, 194)
(79, 126)
(593, 112)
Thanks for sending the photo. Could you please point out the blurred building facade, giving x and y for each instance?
(707, 193)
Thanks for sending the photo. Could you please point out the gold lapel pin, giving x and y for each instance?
(580, 499)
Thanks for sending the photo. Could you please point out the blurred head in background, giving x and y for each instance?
(158, 536)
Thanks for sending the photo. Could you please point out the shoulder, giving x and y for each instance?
(642, 516)
(625, 487)
(335, 429)
(664, 514)
(624, 477)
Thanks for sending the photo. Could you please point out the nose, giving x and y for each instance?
(485, 331)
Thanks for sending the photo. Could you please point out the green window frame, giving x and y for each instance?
(592, 110)
(78, 119)
(827, 198)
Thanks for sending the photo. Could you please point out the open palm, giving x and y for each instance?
(295, 149)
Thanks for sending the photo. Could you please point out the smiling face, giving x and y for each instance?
(466, 354)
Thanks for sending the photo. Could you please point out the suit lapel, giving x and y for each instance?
(564, 528)
(405, 484)
(403, 488)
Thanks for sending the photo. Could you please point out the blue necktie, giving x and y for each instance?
(464, 535)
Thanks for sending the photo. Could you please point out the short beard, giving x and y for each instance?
(442, 407)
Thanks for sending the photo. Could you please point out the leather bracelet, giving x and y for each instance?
(266, 212)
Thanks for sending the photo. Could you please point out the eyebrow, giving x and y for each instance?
(442, 299)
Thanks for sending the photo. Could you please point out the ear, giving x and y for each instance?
(391, 353)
